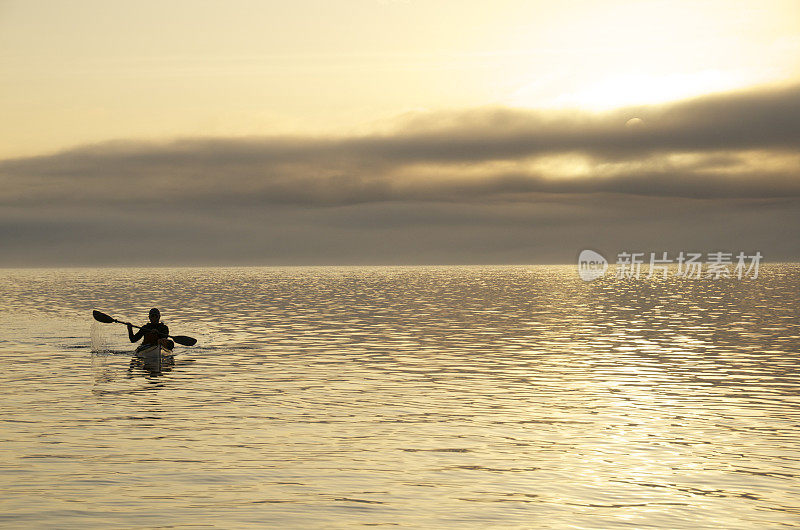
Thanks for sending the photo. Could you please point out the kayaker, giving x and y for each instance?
(154, 332)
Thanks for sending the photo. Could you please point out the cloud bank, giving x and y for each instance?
(475, 185)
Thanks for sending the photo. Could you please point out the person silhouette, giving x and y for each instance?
(154, 332)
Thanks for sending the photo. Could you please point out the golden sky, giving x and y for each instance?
(73, 73)
(396, 132)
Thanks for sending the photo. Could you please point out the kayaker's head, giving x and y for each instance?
(155, 315)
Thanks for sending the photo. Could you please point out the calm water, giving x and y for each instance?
(428, 397)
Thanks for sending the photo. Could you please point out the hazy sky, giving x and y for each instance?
(396, 131)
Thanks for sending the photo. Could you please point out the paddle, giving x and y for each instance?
(105, 319)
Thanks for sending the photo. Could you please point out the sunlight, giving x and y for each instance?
(619, 54)
(631, 89)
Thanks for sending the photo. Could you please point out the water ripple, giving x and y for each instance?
(407, 396)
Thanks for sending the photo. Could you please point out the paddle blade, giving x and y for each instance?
(185, 341)
(102, 317)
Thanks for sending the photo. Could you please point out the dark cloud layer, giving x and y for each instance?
(481, 185)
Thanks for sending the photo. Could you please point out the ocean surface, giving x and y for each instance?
(401, 396)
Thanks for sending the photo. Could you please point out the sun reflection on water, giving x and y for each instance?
(419, 396)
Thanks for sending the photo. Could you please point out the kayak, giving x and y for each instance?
(152, 350)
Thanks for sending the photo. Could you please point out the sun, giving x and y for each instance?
(619, 54)
(632, 89)
(623, 90)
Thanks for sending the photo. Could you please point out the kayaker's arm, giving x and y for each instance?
(164, 340)
(134, 337)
